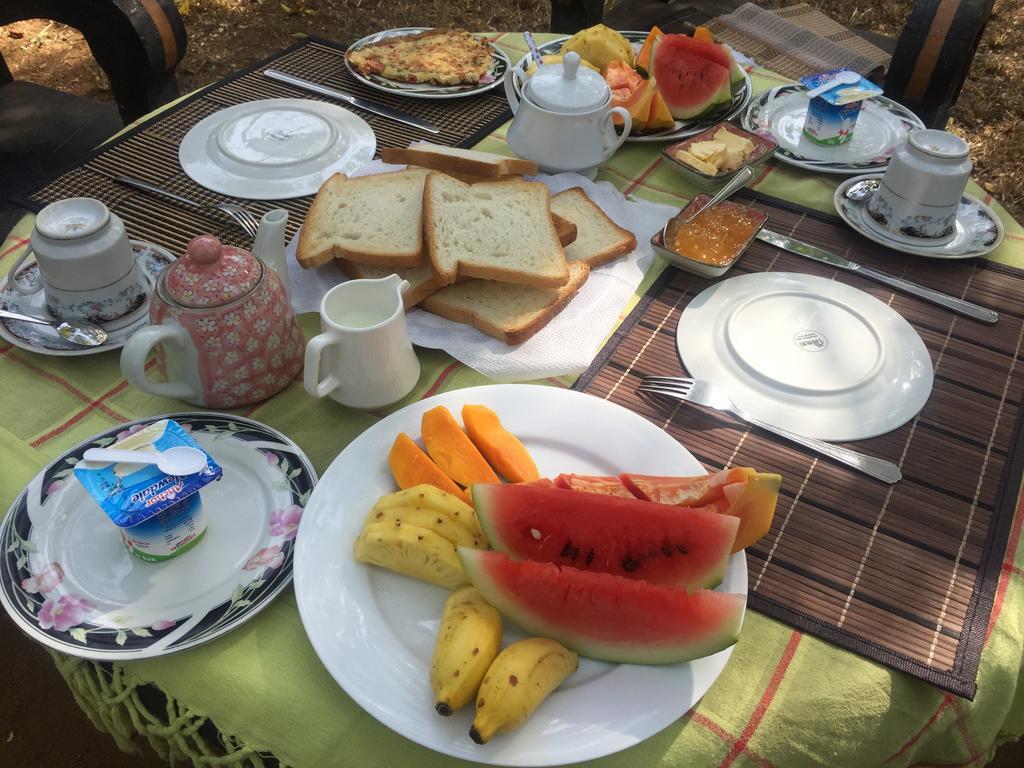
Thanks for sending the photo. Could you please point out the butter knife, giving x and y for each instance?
(952, 303)
(355, 101)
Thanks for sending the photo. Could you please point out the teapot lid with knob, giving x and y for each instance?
(566, 88)
(211, 274)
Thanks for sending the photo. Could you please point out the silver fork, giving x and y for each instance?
(714, 396)
(243, 217)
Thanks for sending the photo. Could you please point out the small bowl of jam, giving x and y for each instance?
(713, 241)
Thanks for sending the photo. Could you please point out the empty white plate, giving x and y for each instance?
(275, 149)
(808, 354)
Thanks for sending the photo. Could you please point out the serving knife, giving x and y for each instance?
(355, 101)
(952, 303)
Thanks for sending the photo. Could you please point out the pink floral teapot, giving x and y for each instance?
(226, 331)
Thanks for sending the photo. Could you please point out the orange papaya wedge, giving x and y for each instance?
(411, 466)
(503, 450)
(452, 450)
(703, 33)
(643, 58)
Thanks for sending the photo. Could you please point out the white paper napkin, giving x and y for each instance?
(570, 341)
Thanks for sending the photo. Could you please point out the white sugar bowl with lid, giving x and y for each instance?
(564, 120)
(919, 195)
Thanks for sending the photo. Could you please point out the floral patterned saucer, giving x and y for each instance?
(978, 229)
(46, 341)
(68, 582)
(779, 113)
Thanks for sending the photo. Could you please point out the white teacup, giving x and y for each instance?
(364, 349)
(87, 268)
(919, 195)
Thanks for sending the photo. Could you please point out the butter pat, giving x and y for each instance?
(831, 117)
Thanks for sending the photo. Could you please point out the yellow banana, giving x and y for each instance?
(434, 498)
(517, 682)
(411, 551)
(468, 639)
(451, 528)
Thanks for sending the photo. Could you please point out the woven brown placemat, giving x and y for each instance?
(797, 40)
(903, 574)
(150, 150)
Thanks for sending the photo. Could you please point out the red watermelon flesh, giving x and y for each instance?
(603, 616)
(693, 76)
(606, 534)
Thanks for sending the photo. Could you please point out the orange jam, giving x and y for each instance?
(716, 236)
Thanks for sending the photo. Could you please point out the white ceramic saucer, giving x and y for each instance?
(881, 126)
(811, 355)
(67, 580)
(978, 229)
(275, 149)
(46, 341)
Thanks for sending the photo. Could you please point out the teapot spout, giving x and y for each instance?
(269, 244)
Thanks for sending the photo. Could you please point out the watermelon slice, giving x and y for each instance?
(693, 76)
(603, 616)
(626, 537)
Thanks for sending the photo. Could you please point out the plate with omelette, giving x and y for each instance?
(441, 63)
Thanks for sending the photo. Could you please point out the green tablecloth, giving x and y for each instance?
(785, 698)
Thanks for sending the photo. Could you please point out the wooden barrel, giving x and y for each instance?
(934, 54)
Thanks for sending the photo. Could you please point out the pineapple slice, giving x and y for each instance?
(451, 528)
(432, 497)
(599, 45)
(411, 551)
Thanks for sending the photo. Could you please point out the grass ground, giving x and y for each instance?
(226, 34)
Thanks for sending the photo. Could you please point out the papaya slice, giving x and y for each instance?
(659, 118)
(643, 58)
(605, 486)
(500, 447)
(410, 466)
(453, 451)
(703, 33)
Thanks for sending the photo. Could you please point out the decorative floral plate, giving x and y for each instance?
(496, 72)
(683, 128)
(978, 229)
(881, 126)
(68, 582)
(45, 340)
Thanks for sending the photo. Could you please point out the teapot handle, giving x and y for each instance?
(512, 79)
(627, 126)
(135, 352)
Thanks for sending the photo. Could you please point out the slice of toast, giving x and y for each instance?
(374, 219)
(512, 313)
(495, 230)
(598, 238)
(454, 160)
(422, 281)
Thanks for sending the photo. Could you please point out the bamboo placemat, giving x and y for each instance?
(150, 150)
(901, 574)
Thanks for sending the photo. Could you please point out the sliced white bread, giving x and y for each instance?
(422, 281)
(598, 238)
(512, 313)
(495, 230)
(374, 219)
(471, 162)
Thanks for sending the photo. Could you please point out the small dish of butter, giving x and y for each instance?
(713, 157)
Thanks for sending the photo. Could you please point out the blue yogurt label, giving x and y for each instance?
(832, 116)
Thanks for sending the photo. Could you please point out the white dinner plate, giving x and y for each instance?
(495, 74)
(682, 129)
(375, 630)
(881, 126)
(275, 149)
(807, 354)
(44, 340)
(67, 580)
(978, 228)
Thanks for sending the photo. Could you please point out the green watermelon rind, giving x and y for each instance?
(716, 101)
(474, 564)
(481, 497)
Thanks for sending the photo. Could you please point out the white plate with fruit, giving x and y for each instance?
(377, 632)
(701, 84)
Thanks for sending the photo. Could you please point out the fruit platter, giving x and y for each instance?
(673, 85)
(432, 595)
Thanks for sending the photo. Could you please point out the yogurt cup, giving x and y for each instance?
(832, 116)
(159, 516)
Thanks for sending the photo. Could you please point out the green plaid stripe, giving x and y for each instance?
(785, 699)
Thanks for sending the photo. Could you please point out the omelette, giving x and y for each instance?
(439, 56)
